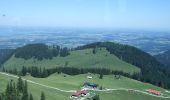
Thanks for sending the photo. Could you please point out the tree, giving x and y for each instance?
(101, 76)
(94, 50)
(42, 96)
(101, 88)
(44, 73)
(25, 91)
(31, 97)
(66, 64)
(24, 71)
(14, 92)
(7, 92)
(3, 69)
(2, 96)
(96, 97)
(20, 85)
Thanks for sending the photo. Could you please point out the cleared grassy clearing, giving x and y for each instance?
(79, 59)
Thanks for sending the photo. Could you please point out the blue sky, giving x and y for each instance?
(137, 14)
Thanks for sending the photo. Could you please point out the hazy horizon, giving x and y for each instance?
(117, 14)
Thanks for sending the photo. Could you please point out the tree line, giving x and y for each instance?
(40, 51)
(18, 91)
(43, 72)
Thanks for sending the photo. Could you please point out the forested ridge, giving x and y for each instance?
(164, 58)
(5, 54)
(152, 71)
(40, 51)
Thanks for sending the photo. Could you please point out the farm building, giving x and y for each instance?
(91, 85)
(89, 77)
(154, 92)
(79, 93)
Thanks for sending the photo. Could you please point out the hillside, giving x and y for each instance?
(152, 71)
(5, 54)
(66, 82)
(164, 58)
(109, 55)
(79, 59)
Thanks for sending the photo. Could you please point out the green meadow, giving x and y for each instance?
(79, 59)
(66, 82)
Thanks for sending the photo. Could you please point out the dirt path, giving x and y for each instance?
(71, 91)
(29, 81)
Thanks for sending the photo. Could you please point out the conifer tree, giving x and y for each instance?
(31, 97)
(24, 71)
(20, 85)
(101, 76)
(7, 93)
(14, 92)
(94, 50)
(42, 96)
(25, 91)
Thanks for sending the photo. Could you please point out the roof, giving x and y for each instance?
(78, 93)
(154, 91)
(90, 84)
(89, 77)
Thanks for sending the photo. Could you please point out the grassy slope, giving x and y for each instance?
(36, 90)
(75, 82)
(80, 58)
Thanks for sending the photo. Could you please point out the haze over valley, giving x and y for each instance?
(149, 41)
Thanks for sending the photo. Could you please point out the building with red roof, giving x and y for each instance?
(154, 92)
(79, 93)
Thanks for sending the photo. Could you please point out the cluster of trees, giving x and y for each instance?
(42, 72)
(151, 70)
(40, 51)
(18, 91)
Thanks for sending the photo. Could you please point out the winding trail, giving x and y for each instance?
(71, 91)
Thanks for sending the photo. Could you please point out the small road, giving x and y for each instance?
(71, 91)
(124, 89)
(29, 81)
